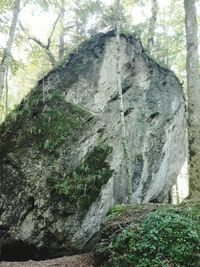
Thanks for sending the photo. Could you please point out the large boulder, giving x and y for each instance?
(61, 156)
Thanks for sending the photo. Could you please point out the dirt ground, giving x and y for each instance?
(84, 260)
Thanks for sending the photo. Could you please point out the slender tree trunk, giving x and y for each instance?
(6, 96)
(193, 90)
(77, 28)
(7, 50)
(62, 32)
(152, 25)
(121, 106)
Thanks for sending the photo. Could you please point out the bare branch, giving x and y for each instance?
(41, 44)
(53, 29)
(36, 40)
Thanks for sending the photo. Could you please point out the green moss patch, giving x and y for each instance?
(81, 188)
(46, 124)
(57, 123)
(165, 237)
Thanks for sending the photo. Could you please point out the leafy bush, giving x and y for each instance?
(167, 237)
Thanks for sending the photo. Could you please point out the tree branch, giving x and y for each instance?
(41, 44)
(53, 29)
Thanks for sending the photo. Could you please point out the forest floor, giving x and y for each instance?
(84, 260)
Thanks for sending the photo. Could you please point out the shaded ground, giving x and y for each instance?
(84, 260)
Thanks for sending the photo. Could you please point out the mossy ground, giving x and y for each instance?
(150, 236)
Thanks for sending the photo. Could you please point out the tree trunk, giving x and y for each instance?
(193, 90)
(6, 95)
(152, 25)
(62, 32)
(121, 106)
(7, 50)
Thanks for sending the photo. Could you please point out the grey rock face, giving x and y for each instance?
(36, 210)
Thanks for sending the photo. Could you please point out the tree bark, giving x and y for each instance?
(7, 50)
(62, 32)
(6, 94)
(193, 90)
(152, 25)
(121, 105)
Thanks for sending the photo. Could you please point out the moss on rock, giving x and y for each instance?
(81, 187)
(45, 124)
(57, 123)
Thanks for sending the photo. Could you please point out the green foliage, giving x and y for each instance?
(52, 122)
(117, 210)
(83, 185)
(43, 123)
(167, 237)
(45, 4)
(14, 64)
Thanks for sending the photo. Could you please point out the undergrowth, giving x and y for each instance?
(168, 237)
